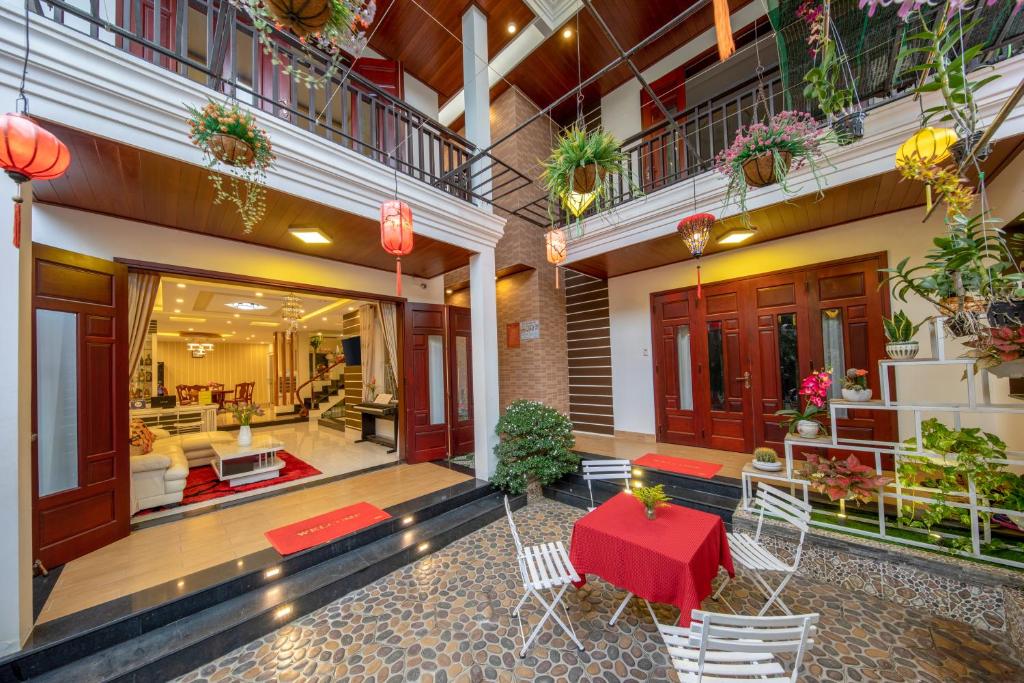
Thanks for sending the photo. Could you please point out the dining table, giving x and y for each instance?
(219, 396)
(672, 559)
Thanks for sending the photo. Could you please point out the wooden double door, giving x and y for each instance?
(724, 363)
(438, 349)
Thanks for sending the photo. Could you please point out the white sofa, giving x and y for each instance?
(158, 477)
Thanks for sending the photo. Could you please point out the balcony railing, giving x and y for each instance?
(187, 37)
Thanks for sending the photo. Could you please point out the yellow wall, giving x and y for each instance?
(227, 363)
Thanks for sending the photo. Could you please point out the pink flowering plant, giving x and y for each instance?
(814, 388)
(844, 479)
(795, 132)
(812, 13)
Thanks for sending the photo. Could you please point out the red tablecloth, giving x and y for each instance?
(672, 559)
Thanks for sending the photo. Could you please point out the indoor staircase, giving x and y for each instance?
(718, 495)
(166, 631)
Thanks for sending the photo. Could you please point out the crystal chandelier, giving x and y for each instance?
(291, 311)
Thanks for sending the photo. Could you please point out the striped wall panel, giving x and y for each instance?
(353, 374)
(590, 353)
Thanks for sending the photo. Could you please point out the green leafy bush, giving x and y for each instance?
(536, 442)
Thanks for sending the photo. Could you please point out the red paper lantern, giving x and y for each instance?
(29, 152)
(696, 231)
(396, 234)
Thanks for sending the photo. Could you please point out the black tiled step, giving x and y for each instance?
(125, 620)
(723, 486)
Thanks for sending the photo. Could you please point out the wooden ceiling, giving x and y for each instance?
(873, 196)
(116, 179)
(431, 52)
(435, 56)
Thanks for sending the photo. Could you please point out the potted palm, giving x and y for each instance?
(900, 331)
(763, 154)
(578, 165)
(808, 421)
(652, 498)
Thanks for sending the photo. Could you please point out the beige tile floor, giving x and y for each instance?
(169, 551)
(632, 448)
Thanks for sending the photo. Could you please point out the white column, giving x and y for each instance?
(484, 319)
(15, 421)
(477, 91)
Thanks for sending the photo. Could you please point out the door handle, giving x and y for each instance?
(745, 379)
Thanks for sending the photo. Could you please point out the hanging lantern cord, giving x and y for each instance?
(21, 103)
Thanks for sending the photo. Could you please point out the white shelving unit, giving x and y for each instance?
(975, 403)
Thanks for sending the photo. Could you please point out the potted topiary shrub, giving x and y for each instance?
(900, 333)
(652, 498)
(574, 173)
(766, 459)
(855, 385)
(535, 445)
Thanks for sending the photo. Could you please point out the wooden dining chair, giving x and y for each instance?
(545, 567)
(184, 398)
(242, 394)
(605, 469)
(727, 648)
(215, 386)
(748, 551)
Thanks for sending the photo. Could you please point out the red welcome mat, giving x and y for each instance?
(668, 463)
(202, 482)
(323, 528)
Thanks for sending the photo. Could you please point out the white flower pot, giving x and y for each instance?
(1009, 369)
(245, 435)
(768, 466)
(902, 350)
(856, 394)
(807, 428)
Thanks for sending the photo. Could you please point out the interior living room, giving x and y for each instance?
(512, 340)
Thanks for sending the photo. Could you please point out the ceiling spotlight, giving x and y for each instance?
(567, 33)
(179, 301)
(737, 235)
(229, 322)
(177, 310)
(351, 308)
(237, 315)
(259, 293)
(447, 291)
(512, 27)
(181, 285)
(191, 329)
(324, 318)
(309, 235)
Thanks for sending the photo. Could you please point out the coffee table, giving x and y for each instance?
(247, 464)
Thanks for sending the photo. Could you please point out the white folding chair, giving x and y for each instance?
(605, 469)
(726, 648)
(750, 554)
(544, 567)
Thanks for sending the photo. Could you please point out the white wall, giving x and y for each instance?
(620, 109)
(108, 238)
(899, 234)
(421, 96)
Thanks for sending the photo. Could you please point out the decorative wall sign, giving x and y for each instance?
(512, 335)
(529, 329)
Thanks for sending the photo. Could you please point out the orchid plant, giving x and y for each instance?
(847, 479)
(792, 132)
(815, 390)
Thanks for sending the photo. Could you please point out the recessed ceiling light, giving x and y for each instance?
(447, 291)
(229, 322)
(324, 318)
(237, 316)
(191, 329)
(511, 27)
(181, 285)
(261, 323)
(737, 235)
(177, 310)
(186, 319)
(179, 301)
(259, 293)
(246, 305)
(567, 33)
(310, 235)
(351, 308)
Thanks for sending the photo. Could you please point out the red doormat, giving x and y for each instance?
(668, 463)
(323, 528)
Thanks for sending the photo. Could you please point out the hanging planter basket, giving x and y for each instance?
(1006, 313)
(231, 150)
(953, 305)
(760, 170)
(849, 128)
(584, 178)
(301, 17)
(962, 147)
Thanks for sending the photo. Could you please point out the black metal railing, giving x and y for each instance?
(210, 42)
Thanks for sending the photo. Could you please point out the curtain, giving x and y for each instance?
(142, 288)
(389, 334)
(371, 345)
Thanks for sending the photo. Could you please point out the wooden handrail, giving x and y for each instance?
(298, 390)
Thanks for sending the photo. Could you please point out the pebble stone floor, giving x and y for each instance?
(448, 617)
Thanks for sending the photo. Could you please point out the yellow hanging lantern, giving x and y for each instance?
(577, 202)
(928, 145)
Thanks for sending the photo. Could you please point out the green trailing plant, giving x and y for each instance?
(939, 52)
(577, 148)
(954, 458)
(652, 497)
(536, 442)
(824, 83)
(899, 328)
(765, 454)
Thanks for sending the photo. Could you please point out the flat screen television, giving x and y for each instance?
(350, 347)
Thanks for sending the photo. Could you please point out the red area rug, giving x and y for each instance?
(323, 528)
(668, 463)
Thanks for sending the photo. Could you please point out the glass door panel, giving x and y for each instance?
(57, 400)
(684, 367)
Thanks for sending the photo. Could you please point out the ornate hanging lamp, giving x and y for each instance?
(557, 250)
(291, 311)
(28, 151)
(696, 231)
(396, 234)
